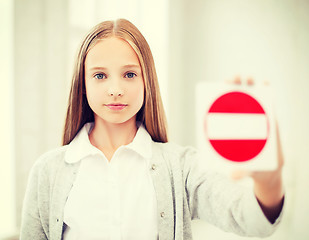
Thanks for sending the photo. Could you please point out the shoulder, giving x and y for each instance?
(44, 172)
(49, 161)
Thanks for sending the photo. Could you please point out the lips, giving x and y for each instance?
(116, 106)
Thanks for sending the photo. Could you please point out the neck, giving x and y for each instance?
(108, 137)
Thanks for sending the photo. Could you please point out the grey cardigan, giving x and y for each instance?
(185, 190)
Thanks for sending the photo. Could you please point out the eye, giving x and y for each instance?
(130, 75)
(99, 76)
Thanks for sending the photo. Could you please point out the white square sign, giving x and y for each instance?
(236, 126)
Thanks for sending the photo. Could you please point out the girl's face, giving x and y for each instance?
(114, 81)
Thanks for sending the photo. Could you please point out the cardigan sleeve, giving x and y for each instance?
(218, 200)
(33, 225)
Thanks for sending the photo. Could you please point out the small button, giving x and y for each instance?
(57, 219)
(162, 214)
(153, 167)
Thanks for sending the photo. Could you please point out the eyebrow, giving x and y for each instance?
(123, 67)
(131, 66)
(97, 68)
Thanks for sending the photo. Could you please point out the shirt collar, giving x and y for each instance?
(80, 147)
(141, 143)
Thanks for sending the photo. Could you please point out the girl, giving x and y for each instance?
(117, 176)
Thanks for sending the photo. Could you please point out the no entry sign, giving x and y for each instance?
(235, 127)
(248, 126)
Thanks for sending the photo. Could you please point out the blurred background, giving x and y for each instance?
(192, 41)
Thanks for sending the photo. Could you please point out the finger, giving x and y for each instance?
(237, 80)
(250, 81)
(279, 148)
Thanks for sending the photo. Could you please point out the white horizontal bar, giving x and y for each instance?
(236, 126)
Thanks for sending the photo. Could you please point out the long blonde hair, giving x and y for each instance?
(151, 114)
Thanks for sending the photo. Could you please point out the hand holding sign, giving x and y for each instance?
(236, 126)
(236, 129)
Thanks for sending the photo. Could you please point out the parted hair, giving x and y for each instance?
(152, 112)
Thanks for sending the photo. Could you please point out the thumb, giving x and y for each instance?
(240, 174)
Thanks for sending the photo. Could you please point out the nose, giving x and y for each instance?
(115, 89)
(118, 94)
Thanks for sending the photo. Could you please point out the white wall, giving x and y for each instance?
(7, 182)
(40, 44)
(267, 40)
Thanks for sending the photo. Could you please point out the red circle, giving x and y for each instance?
(236, 150)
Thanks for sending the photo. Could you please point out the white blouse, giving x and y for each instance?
(111, 200)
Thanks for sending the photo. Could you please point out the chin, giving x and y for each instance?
(120, 121)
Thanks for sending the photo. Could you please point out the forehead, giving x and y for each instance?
(111, 51)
